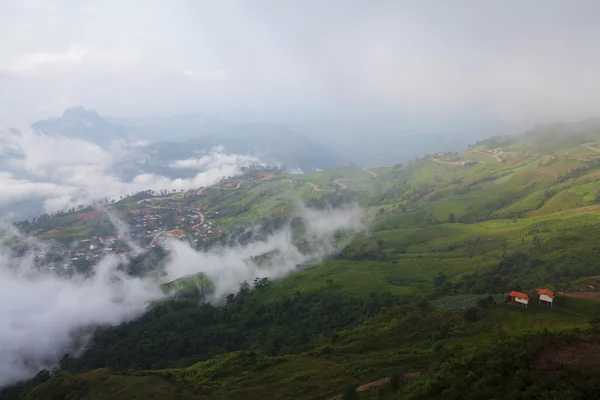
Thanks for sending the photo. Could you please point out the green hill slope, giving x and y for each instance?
(422, 291)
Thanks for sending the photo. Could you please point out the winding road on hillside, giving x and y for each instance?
(368, 171)
(590, 146)
(337, 182)
(494, 156)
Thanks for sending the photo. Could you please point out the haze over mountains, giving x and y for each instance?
(208, 200)
(175, 138)
(81, 156)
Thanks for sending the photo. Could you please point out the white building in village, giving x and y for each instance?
(546, 296)
(519, 297)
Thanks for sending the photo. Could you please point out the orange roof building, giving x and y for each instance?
(519, 297)
(546, 295)
(547, 292)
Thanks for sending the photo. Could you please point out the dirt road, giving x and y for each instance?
(368, 171)
(154, 239)
(338, 182)
(584, 295)
(455, 162)
(367, 386)
(341, 185)
(494, 156)
(590, 147)
(316, 188)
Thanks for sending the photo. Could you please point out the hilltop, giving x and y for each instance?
(79, 123)
(275, 144)
(419, 296)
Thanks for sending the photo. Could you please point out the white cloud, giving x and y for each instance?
(208, 75)
(16, 190)
(228, 267)
(48, 62)
(70, 172)
(42, 313)
(216, 158)
(43, 154)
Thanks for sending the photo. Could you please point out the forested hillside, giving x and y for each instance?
(414, 307)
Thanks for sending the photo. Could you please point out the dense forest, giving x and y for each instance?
(181, 332)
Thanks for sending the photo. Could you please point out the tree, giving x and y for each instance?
(261, 283)
(244, 288)
(440, 279)
(471, 314)
(396, 381)
(380, 243)
(451, 218)
(595, 322)
(350, 394)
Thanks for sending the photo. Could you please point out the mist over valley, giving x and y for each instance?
(300, 200)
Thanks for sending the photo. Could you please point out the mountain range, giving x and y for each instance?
(273, 143)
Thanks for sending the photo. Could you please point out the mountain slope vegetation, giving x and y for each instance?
(419, 299)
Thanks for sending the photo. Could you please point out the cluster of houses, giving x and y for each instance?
(85, 252)
(545, 296)
(188, 219)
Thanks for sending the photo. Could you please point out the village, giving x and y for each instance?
(147, 223)
(159, 219)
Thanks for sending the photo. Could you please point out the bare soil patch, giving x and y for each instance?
(584, 295)
(514, 160)
(543, 171)
(89, 215)
(585, 353)
(48, 234)
(268, 177)
(379, 382)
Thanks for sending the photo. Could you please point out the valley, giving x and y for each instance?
(410, 308)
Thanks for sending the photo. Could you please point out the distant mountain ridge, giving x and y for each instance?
(273, 143)
(79, 123)
(548, 138)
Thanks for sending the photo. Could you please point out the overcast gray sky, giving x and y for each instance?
(514, 58)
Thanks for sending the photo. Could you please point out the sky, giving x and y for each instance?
(518, 59)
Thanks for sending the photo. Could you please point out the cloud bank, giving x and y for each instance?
(43, 314)
(217, 159)
(510, 58)
(64, 172)
(227, 267)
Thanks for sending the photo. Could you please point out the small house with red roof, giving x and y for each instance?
(546, 296)
(519, 297)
